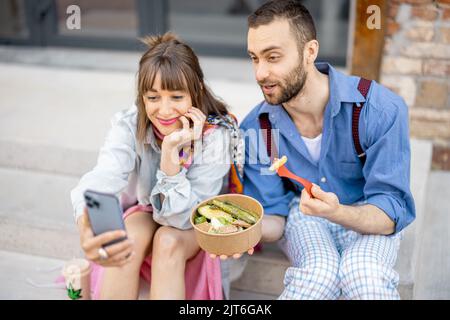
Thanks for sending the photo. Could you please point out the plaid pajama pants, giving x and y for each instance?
(331, 262)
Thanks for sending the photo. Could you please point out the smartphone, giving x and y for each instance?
(105, 213)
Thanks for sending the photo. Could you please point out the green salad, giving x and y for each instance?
(224, 217)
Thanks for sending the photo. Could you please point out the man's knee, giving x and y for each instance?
(317, 279)
(365, 277)
(325, 270)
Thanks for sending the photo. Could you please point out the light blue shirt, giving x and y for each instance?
(383, 181)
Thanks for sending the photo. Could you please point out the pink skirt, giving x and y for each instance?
(203, 279)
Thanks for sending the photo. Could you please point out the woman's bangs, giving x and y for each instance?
(172, 77)
(148, 78)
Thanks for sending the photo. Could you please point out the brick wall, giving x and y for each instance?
(416, 65)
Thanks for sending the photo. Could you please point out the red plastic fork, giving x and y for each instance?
(284, 172)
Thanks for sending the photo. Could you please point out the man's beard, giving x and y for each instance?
(290, 87)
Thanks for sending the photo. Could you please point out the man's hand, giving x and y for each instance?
(324, 204)
(365, 219)
(272, 230)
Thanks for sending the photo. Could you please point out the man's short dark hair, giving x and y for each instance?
(300, 21)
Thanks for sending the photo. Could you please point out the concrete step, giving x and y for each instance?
(60, 244)
(30, 277)
(407, 259)
(36, 214)
(433, 262)
(37, 199)
(33, 277)
(236, 294)
(264, 272)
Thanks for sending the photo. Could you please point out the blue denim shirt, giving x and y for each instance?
(384, 179)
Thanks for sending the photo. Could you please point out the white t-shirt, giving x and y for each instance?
(313, 146)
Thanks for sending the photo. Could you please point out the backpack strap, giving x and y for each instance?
(363, 88)
(271, 148)
(265, 125)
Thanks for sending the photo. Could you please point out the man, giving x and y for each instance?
(343, 239)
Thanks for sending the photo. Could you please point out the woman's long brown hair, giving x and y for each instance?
(180, 70)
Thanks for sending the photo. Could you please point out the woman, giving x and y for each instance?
(161, 167)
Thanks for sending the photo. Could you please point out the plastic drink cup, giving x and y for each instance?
(77, 273)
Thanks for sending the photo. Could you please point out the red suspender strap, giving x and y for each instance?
(266, 126)
(271, 148)
(363, 88)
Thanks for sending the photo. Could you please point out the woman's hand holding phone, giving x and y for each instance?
(118, 254)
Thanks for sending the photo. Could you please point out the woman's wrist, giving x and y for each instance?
(168, 145)
(170, 163)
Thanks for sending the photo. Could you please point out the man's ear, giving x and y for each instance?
(311, 51)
